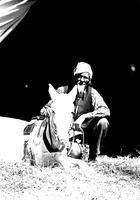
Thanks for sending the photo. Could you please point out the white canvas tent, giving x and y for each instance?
(11, 14)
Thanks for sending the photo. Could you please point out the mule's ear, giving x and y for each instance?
(73, 93)
(52, 92)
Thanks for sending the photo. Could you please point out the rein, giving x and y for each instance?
(70, 149)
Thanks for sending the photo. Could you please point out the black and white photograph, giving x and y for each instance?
(69, 105)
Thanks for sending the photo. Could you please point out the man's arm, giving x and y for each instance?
(100, 108)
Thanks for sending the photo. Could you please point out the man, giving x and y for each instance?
(91, 111)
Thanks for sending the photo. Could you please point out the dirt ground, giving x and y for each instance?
(106, 179)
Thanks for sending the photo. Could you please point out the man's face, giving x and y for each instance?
(83, 78)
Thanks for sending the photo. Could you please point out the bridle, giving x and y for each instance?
(73, 129)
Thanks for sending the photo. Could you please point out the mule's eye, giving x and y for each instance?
(53, 111)
(72, 113)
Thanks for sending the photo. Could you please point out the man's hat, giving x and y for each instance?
(83, 67)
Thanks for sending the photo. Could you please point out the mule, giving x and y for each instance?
(12, 139)
(49, 139)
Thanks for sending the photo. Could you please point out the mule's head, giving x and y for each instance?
(63, 108)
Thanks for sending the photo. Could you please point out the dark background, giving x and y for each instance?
(46, 46)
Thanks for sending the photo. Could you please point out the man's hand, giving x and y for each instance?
(78, 122)
(43, 111)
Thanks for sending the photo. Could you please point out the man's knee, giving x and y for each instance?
(103, 122)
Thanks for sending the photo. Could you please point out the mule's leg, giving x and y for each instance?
(61, 158)
(68, 162)
(81, 163)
